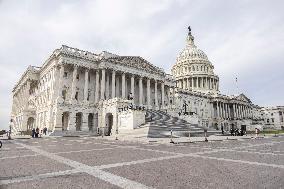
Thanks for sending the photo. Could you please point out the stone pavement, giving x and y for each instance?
(93, 162)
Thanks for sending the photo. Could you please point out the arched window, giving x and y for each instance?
(64, 93)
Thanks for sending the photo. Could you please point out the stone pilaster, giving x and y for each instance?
(59, 87)
(107, 86)
(163, 94)
(72, 121)
(140, 91)
(132, 87)
(86, 86)
(156, 94)
(123, 85)
(74, 83)
(97, 86)
(85, 122)
(113, 84)
(149, 93)
(103, 83)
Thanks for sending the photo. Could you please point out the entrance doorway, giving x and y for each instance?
(79, 121)
(30, 123)
(65, 120)
(109, 124)
(91, 121)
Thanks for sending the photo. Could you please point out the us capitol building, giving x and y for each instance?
(80, 91)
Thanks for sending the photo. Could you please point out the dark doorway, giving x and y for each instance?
(91, 121)
(109, 123)
(78, 121)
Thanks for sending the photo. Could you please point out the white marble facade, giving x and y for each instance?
(77, 90)
(67, 91)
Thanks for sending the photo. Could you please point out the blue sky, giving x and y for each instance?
(243, 39)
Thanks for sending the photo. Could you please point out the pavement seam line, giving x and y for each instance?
(38, 177)
(100, 174)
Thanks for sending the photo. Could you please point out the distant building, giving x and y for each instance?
(273, 117)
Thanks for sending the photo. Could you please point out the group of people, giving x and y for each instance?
(237, 132)
(36, 133)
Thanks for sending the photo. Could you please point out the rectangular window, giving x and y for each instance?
(77, 76)
(76, 95)
(65, 74)
(88, 97)
(272, 120)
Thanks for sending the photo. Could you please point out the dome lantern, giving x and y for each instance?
(190, 38)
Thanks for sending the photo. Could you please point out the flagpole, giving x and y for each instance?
(237, 86)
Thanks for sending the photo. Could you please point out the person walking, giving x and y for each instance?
(37, 132)
(33, 132)
(222, 129)
(10, 128)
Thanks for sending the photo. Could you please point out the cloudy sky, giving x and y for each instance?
(243, 39)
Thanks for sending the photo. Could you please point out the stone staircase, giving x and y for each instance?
(72, 133)
(159, 125)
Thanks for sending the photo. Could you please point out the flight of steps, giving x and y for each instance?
(159, 125)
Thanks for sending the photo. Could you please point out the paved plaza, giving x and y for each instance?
(92, 162)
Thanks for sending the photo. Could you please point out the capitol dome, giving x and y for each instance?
(193, 70)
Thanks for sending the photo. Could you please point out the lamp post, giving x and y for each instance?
(10, 129)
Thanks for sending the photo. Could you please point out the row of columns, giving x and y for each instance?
(103, 87)
(20, 98)
(198, 82)
(235, 110)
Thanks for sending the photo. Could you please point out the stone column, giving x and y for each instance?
(222, 109)
(132, 87)
(187, 83)
(202, 83)
(212, 110)
(238, 111)
(207, 83)
(97, 86)
(228, 111)
(163, 94)
(156, 94)
(86, 86)
(113, 84)
(123, 85)
(217, 85)
(184, 83)
(74, 83)
(107, 85)
(60, 81)
(84, 126)
(148, 94)
(72, 121)
(192, 83)
(140, 91)
(197, 82)
(103, 83)
(217, 106)
(234, 111)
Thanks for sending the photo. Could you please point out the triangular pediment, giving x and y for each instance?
(243, 97)
(136, 62)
